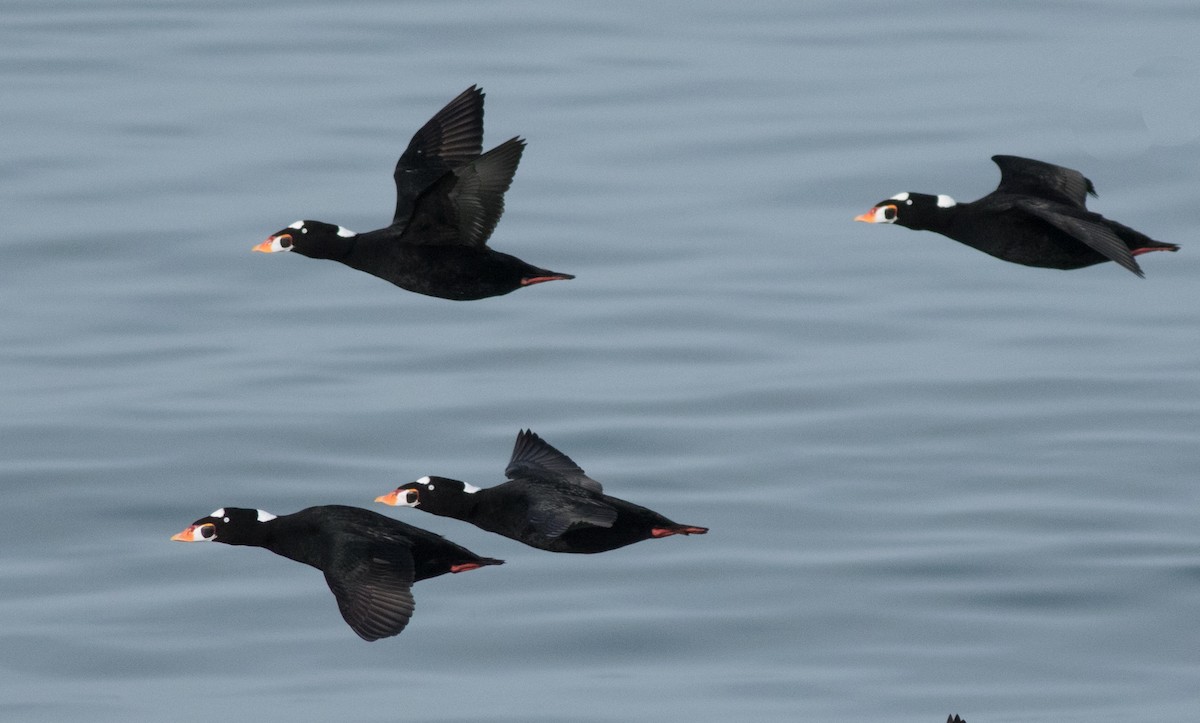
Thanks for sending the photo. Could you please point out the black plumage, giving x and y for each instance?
(1037, 216)
(370, 561)
(548, 503)
(449, 198)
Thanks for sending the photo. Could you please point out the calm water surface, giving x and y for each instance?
(936, 482)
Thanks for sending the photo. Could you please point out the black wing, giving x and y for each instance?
(373, 586)
(1084, 226)
(554, 512)
(451, 139)
(1027, 177)
(463, 207)
(561, 496)
(534, 458)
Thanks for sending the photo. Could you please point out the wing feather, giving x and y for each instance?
(450, 139)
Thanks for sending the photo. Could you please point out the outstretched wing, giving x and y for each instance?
(533, 458)
(465, 204)
(1084, 226)
(561, 496)
(1027, 177)
(373, 586)
(450, 139)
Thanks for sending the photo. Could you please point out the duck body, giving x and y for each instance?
(370, 561)
(1037, 216)
(509, 509)
(548, 503)
(449, 198)
(459, 273)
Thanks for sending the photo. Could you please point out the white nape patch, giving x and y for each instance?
(900, 197)
(218, 513)
(264, 516)
(297, 225)
(945, 201)
(345, 232)
(470, 489)
(423, 481)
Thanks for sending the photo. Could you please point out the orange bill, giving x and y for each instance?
(268, 246)
(391, 498)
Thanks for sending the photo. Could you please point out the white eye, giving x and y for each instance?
(197, 533)
(431, 488)
(407, 498)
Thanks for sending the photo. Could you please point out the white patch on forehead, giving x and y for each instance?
(218, 513)
(900, 197)
(264, 516)
(945, 201)
(470, 489)
(345, 232)
(297, 225)
(423, 481)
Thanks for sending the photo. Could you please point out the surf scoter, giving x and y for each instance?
(548, 503)
(449, 197)
(1036, 217)
(370, 561)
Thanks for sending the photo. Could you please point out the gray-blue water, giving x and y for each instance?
(936, 482)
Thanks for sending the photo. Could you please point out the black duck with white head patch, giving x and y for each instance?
(548, 503)
(1037, 216)
(449, 198)
(370, 561)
